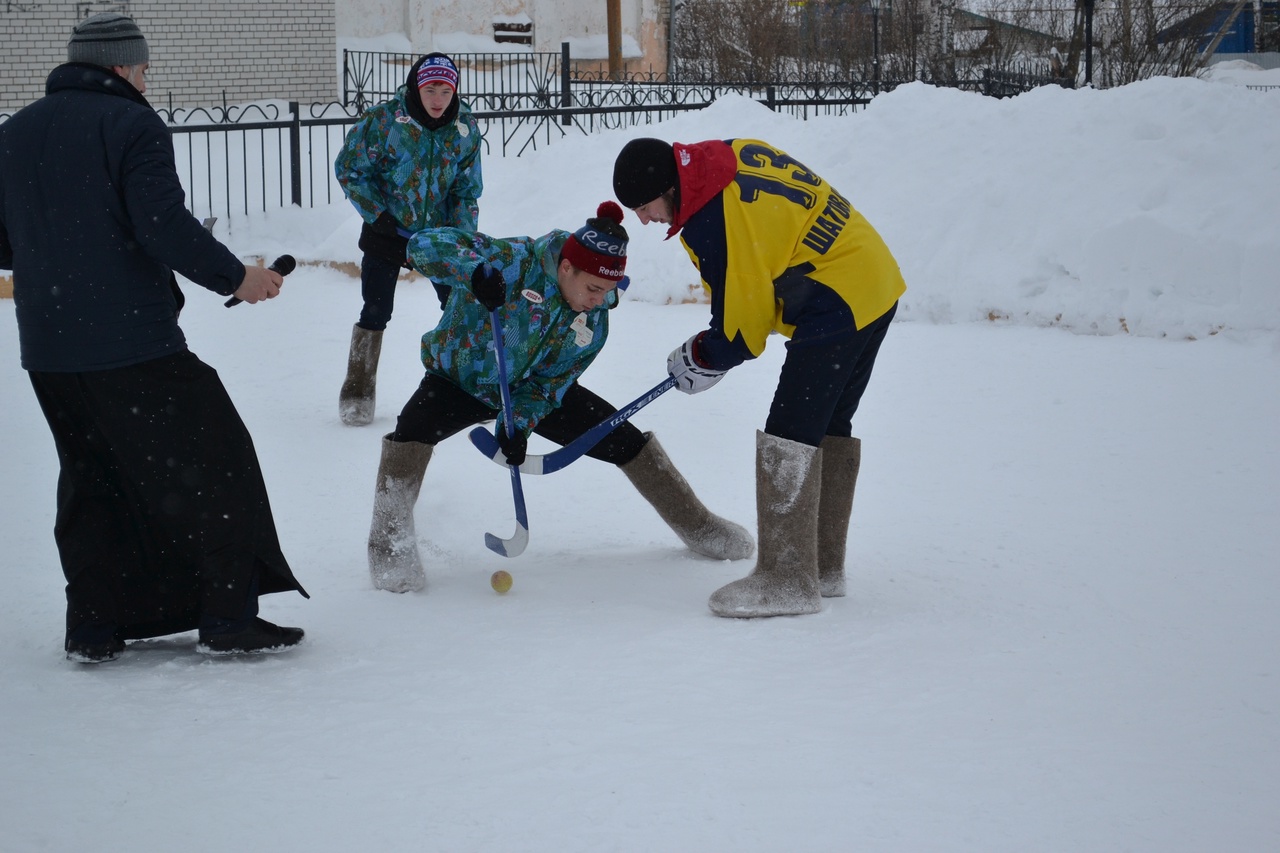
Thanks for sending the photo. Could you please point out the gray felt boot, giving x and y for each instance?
(356, 399)
(394, 563)
(785, 580)
(840, 460)
(658, 481)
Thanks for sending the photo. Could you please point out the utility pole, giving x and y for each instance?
(614, 11)
(875, 47)
(1088, 42)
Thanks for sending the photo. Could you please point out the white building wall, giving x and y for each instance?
(437, 24)
(369, 18)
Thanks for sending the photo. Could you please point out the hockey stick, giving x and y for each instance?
(514, 546)
(557, 459)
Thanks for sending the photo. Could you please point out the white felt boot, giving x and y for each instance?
(841, 458)
(394, 563)
(358, 395)
(658, 481)
(785, 580)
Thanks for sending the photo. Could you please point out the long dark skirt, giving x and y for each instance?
(163, 517)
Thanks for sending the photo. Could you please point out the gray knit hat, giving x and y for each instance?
(107, 39)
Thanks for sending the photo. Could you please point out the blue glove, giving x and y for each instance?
(688, 371)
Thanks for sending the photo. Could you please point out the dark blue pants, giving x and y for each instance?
(378, 278)
(821, 385)
(378, 289)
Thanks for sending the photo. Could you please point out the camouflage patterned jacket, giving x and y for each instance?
(548, 344)
(424, 178)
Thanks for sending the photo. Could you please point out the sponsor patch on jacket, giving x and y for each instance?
(463, 130)
(532, 295)
(402, 118)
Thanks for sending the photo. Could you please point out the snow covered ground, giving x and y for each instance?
(1061, 629)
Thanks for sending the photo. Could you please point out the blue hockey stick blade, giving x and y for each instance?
(519, 540)
(512, 547)
(484, 441)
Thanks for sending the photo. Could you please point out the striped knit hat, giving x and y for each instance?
(107, 39)
(438, 68)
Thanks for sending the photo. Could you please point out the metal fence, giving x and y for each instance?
(236, 160)
(489, 81)
(527, 83)
(239, 160)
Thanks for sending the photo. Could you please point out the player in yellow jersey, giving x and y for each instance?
(778, 250)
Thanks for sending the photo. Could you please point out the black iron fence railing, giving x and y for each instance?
(500, 81)
(235, 161)
(525, 80)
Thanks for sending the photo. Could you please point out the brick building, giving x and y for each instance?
(248, 49)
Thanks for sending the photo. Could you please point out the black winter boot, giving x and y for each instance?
(93, 644)
(255, 638)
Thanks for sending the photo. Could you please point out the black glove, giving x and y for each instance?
(383, 240)
(489, 288)
(515, 447)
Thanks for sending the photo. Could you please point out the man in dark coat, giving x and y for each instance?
(163, 520)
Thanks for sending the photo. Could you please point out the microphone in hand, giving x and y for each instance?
(282, 265)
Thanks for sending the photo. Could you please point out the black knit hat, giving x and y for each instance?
(644, 170)
(107, 39)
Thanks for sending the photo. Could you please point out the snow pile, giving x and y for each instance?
(1149, 210)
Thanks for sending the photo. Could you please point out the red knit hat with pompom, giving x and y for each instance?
(600, 246)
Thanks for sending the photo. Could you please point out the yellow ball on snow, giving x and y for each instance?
(501, 581)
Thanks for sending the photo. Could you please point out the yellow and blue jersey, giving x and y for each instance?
(779, 249)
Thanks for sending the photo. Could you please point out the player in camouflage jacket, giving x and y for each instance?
(410, 163)
(549, 342)
(552, 295)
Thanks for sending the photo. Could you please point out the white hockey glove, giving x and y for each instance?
(690, 376)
